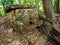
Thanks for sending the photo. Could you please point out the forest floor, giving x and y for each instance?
(30, 36)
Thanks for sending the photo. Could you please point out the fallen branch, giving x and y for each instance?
(14, 7)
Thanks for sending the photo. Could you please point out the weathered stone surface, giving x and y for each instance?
(9, 40)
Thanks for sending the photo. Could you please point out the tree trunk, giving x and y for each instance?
(49, 12)
(48, 9)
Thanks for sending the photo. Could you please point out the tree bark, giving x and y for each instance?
(48, 9)
(49, 12)
(14, 7)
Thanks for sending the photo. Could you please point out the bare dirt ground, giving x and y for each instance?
(30, 36)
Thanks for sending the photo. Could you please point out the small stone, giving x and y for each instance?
(15, 42)
(10, 30)
(9, 40)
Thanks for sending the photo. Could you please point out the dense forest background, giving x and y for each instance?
(3, 3)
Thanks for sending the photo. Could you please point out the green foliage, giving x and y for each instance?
(57, 6)
(1, 11)
(53, 2)
(41, 10)
(3, 3)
